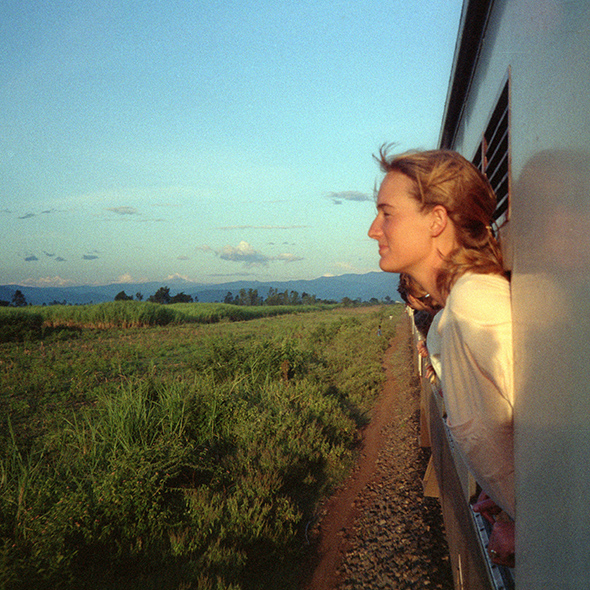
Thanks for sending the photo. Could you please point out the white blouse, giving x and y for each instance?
(473, 335)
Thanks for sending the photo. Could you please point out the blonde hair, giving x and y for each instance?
(445, 177)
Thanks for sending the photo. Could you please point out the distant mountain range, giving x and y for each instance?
(354, 286)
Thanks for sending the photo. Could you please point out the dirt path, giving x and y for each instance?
(379, 531)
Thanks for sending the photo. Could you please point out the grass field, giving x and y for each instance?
(177, 453)
(41, 321)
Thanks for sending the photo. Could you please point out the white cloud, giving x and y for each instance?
(348, 268)
(123, 210)
(287, 257)
(243, 253)
(231, 275)
(175, 276)
(246, 254)
(56, 281)
(127, 278)
(337, 198)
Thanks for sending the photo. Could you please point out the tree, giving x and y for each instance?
(229, 298)
(181, 298)
(253, 297)
(122, 296)
(307, 299)
(18, 299)
(139, 296)
(162, 295)
(273, 297)
(294, 298)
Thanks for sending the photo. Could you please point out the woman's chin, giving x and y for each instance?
(387, 267)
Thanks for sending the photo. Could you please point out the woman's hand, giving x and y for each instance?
(501, 545)
(487, 508)
(431, 374)
(422, 350)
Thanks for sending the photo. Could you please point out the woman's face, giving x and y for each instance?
(400, 228)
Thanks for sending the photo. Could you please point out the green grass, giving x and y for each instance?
(36, 322)
(179, 456)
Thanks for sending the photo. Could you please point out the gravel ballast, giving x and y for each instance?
(379, 530)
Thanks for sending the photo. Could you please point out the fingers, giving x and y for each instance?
(487, 508)
(501, 545)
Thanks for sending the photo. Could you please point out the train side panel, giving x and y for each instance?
(541, 49)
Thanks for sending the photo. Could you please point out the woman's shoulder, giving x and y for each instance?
(480, 284)
(481, 297)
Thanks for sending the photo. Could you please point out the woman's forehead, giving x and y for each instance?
(395, 188)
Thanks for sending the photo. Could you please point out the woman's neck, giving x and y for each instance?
(428, 281)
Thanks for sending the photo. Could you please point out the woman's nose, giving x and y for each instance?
(374, 229)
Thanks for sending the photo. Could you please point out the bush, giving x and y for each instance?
(19, 325)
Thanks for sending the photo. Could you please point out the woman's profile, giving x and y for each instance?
(434, 214)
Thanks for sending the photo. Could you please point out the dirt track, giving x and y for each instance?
(379, 531)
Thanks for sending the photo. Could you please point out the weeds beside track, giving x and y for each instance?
(179, 456)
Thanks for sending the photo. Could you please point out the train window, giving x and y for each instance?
(493, 155)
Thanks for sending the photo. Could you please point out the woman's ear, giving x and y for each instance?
(439, 220)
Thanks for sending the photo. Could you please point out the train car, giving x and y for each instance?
(518, 106)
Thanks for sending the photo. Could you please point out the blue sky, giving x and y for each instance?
(215, 141)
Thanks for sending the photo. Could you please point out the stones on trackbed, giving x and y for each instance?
(398, 540)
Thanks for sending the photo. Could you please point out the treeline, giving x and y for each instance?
(162, 296)
(250, 297)
(275, 297)
(245, 297)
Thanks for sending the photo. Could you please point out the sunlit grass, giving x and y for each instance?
(188, 455)
(37, 321)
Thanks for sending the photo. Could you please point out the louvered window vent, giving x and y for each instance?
(493, 155)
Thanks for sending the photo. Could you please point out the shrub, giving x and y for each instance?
(19, 325)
